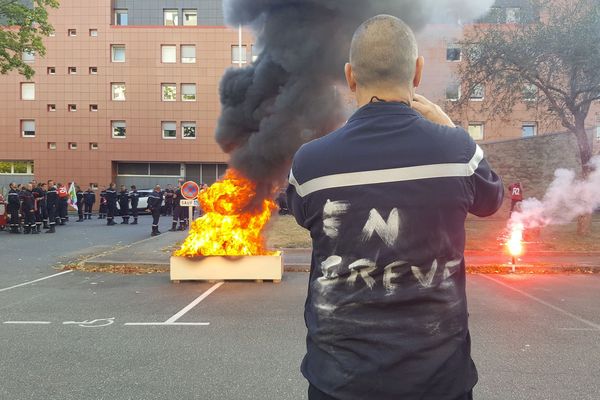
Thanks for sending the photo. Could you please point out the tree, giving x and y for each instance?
(550, 56)
(23, 24)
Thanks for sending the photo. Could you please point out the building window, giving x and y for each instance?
(51, 145)
(118, 91)
(146, 169)
(188, 92)
(477, 93)
(72, 32)
(16, 167)
(169, 54)
(529, 129)
(51, 70)
(513, 15)
(93, 70)
(28, 56)
(530, 92)
(28, 127)
(72, 107)
(254, 52)
(188, 130)
(94, 32)
(476, 130)
(28, 91)
(93, 146)
(169, 92)
(497, 15)
(93, 107)
(188, 54)
(72, 146)
(51, 107)
(117, 53)
(72, 70)
(169, 130)
(453, 52)
(119, 129)
(453, 91)
(171, 17)
(121, 17)
(190, 17)
(235, 55)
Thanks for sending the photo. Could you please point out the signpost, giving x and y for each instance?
(190, 191)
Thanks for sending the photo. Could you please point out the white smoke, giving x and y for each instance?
(566, 199)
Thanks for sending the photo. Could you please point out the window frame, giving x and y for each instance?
(119, 11)
(195, 92)
(162, 53)
(187, 60)
(477, 98)
(175, 20)
(163, 130)
(164, 86)
(113, 48)
(113, 126)
(22, 125)
(112, 91)
(188, 124)
(458, 91)
(245, 52)
(453, 47)
(477, 124)
(183, 14)
(529, 124)
(23, 86)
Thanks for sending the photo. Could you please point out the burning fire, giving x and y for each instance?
(515, 240)
(229, 227)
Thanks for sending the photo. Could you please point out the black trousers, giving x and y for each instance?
(44, 211)
(155, 216)
(63, 207)
(87, 209)
(80, 210)
(134, 211)
(177, 214)
(51, 214)
(29, 218)
(316, 394)
(14, 216)
(103, 209)
(112, 210)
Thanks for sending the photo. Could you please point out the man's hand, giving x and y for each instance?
(431, 111)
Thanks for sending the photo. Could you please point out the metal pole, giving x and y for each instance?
(191, 216)
(240, 45)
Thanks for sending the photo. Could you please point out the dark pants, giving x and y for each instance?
(155, 216)
(63, 207)
(124, 212)
(51, 214)
(14, 217)
(87, 209)
(29, 222)
(134, 211)
(44, 211)
(102, 210)
(112, 210)
(169, 208)
(177, 214)
(316, 394)
(80, 210)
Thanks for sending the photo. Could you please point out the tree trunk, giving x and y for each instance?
(584, 222)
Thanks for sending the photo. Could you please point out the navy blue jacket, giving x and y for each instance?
(385, 198)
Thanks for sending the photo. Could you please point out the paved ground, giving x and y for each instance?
(108, 336)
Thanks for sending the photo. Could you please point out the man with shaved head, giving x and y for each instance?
(385, 198)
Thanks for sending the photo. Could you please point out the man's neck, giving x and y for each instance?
(367, 95)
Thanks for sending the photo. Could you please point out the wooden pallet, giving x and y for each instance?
(227, 268)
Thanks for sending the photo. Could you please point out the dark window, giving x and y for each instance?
(209, 173)
(165, 169)
(221, 168)
(132, 169)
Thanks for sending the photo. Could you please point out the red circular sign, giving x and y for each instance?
(190, 190)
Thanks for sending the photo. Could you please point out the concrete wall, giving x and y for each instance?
(532, 161)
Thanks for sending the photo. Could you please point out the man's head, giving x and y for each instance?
(133, 187)
(12, 185)
(384, 58)
(50, 182)
(157, 188)
(169, 186)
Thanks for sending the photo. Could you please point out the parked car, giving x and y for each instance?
(143, 200)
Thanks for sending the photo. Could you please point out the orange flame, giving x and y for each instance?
(227, 228)
(515, 241)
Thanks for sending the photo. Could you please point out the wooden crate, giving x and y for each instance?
(221, 268)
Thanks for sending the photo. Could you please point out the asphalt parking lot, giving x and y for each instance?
(76, 335)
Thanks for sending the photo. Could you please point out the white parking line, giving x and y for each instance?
(172, 321)
(28, 322)
(37, 280)
(591, 324)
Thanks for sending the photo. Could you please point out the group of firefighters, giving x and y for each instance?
(35, 206)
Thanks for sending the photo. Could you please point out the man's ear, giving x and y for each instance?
(419, 71)
(350, 77)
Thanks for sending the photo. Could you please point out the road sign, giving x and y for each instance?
(189, 203)
(190, 190)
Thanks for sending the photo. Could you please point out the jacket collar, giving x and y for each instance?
(382, 108)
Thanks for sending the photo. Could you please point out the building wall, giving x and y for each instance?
(142, 72)
(150, 12)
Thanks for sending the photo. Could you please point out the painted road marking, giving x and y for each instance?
(27, 322)
(95, 323)
(37, 280)
(172, 321)
(584, 321)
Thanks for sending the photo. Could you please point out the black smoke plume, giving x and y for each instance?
(287, 96)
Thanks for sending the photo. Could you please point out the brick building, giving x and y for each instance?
(128, 92)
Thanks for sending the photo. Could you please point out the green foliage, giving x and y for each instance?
(23, 24)
(554, 50)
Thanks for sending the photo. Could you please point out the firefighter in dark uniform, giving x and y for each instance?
(111, 203)
(178, 211)
(89, 198)
(42, 204)
(14, 205)
(63, 203)
(28, 209)
(51, 206)
(135, 198)
(38, 196)
(123, 197)
(103, 209)
(79, 194)
(155, 200)
(169, 193)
